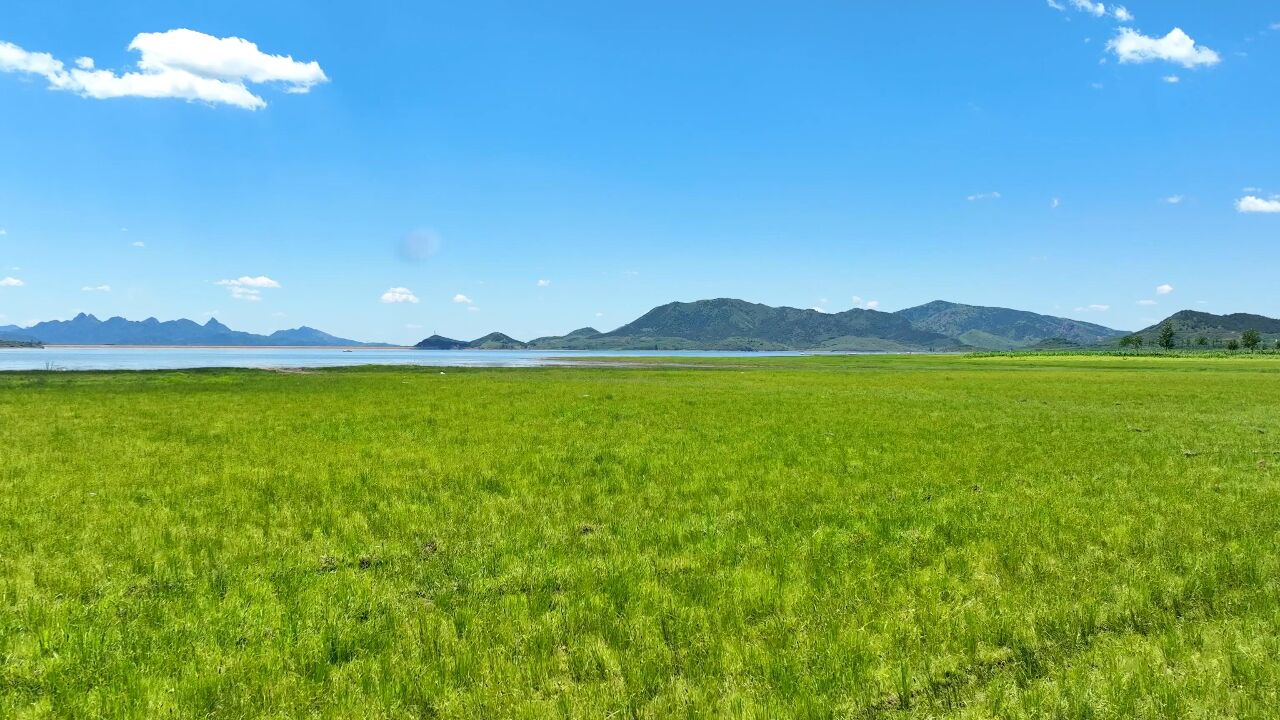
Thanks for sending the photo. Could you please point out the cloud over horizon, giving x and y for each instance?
(183, 64)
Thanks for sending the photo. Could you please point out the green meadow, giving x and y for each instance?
(846, 537)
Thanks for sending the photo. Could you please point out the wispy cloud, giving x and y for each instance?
(179, 63)
(1093, 308)
(261, 281)
(248, 288)
(544, 283)
(1096, 9)
(1172, 79)
(399, 295)
(1147, 302)
(138, 244)
(1164, 289)
(96, 288)
(1255, 204)
(462, 299)
(1174, 200)
(976, 197)
(1131, 46)
(11, 282)
(1055, 203)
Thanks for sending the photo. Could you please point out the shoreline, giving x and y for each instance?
(230, 347)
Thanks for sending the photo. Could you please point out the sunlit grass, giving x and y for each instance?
(847, 537)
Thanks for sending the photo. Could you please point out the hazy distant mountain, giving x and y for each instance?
(12, 335)
(88, 330)
(997, 328)
(1188, 325)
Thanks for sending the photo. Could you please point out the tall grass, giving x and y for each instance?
(818, 537)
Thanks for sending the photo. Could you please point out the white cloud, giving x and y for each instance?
(11, 282)
(180, 63)
(1164, 289)
(248, 288)
(544, 283)
(873, 304)
(1131, 46)
(1056, 5)
(96, 288)
(399, 295)
(1255, 204)
(1251, 190)
(262, 281)
(1122, 13)
(817, 309)
(1174, 199)
(1055, 203)
(1147, 302)
(1172, 79)
(138, 244)
(599, 314)
(983, 196)
(3, 232)
(462, 299)
(1094, 9)
(1093, 308)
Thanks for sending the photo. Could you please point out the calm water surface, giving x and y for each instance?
(109, 358)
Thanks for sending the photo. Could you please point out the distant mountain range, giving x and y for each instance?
(720, 324)
(88, 330)
(726, 324)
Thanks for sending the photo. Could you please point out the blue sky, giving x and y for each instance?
(538, 167)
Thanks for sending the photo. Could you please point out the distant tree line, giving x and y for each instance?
(1167, 337)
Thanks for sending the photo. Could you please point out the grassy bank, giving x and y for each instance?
(774, 537)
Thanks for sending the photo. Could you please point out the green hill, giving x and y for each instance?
(727, 324)
(496, 341)
(996, 328)
(1217, 330)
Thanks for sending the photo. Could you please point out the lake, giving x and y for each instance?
(171, 358)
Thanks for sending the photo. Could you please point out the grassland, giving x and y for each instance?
(1016, 537)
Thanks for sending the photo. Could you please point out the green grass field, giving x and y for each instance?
(823, 537)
